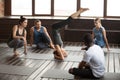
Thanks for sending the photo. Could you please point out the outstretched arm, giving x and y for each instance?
(51, 43)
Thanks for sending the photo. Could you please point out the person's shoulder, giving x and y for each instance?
(102, 28)
(43, 27)
(94, 28)
(15, 26)
(96, 45)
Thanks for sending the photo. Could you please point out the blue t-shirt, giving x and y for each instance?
(99, 38)
(38, 35)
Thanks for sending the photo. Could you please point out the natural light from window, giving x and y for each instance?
(42, 6)
(95, 6)
(19, 7)
(113, 7)
(64, 7)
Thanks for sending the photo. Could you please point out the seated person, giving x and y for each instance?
(40, 36)
(93, 63)
(59, 52)
(99, 34)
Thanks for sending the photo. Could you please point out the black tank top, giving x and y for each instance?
(17, 34)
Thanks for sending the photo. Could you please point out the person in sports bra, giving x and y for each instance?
(18, 35)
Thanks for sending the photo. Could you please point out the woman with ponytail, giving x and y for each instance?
(18, 36)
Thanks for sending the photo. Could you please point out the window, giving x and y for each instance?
(19, 7)
(113, 8)
(98, 8)
(95, 6)
(64, 7)
(42, 6)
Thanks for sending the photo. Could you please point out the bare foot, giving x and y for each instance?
(16, 54)
(76, 14)
(83, 9)
(25, 52)
(52, 46)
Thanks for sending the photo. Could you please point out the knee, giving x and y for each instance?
(70, 70)
(25, 43)
(10, 45)
(16, 40)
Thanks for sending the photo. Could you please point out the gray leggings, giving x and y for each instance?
(15, 43)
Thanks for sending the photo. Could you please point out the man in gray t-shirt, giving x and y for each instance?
(93, 63)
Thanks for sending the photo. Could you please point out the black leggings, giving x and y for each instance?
(83, 73)
(56, 30)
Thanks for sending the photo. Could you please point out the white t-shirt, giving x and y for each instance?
(94, 56)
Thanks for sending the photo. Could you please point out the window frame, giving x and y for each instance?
(8, 9)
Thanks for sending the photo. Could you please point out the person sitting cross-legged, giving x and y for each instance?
(93, 63)
(39, 36)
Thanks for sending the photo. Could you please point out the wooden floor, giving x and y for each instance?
(112, 61)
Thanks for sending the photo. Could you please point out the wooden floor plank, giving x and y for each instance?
(39, 69)
(112, 61)
(51, 63)
(106, 62)
(116, 63)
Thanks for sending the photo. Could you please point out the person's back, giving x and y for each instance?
(93, 63)
(96, 60)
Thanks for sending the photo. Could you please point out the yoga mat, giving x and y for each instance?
(72, 48)
(38, 56)
(59, 74)
(74, 58)
(112, 50)
(17, 70)
(51, 57)
(63, 74)
(111, 76)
